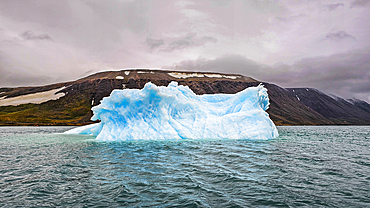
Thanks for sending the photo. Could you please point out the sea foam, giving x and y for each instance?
(176, 112)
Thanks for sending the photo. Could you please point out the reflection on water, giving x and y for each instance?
(305, 166)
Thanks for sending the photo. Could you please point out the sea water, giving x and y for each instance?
(325, 166)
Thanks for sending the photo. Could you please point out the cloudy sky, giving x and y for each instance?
(323, 44)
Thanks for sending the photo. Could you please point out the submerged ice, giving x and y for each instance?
(176, 112)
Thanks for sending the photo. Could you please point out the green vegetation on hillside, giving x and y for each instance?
(65, 111)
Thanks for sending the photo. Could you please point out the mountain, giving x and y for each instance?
(336, 109)
(360, 104)
(69, 103)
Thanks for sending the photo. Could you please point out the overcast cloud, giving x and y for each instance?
(320, 44)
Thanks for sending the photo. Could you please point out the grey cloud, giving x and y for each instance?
(290, 18)
(340, 35)
(154, 43)
(112, 34)
(122, 14)
(361, 87)
(282, 19)
(222, 2)
(71, 14)
(203, 40)
(182, 43)
(360, 3)
(27, 80)
(230, 63)
(95, 25)
(346, 75)
(12, 78)
(332, 7)
(52, 13)
(189, 41)
(29, 35)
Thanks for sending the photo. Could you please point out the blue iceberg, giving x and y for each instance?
(176, 112)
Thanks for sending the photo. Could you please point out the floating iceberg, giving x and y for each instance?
(176, 112)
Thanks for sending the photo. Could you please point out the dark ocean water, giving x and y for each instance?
(304, 166)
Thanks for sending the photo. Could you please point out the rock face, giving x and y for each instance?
(287, 107)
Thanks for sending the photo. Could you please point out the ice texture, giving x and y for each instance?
(176, 112)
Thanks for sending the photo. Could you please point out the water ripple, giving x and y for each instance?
(305, 166)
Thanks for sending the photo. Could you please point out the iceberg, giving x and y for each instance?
(176, 112)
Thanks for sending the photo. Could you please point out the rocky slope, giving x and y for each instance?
(75, 99)
(337, 109)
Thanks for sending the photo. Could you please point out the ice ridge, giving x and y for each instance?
(176, 112)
